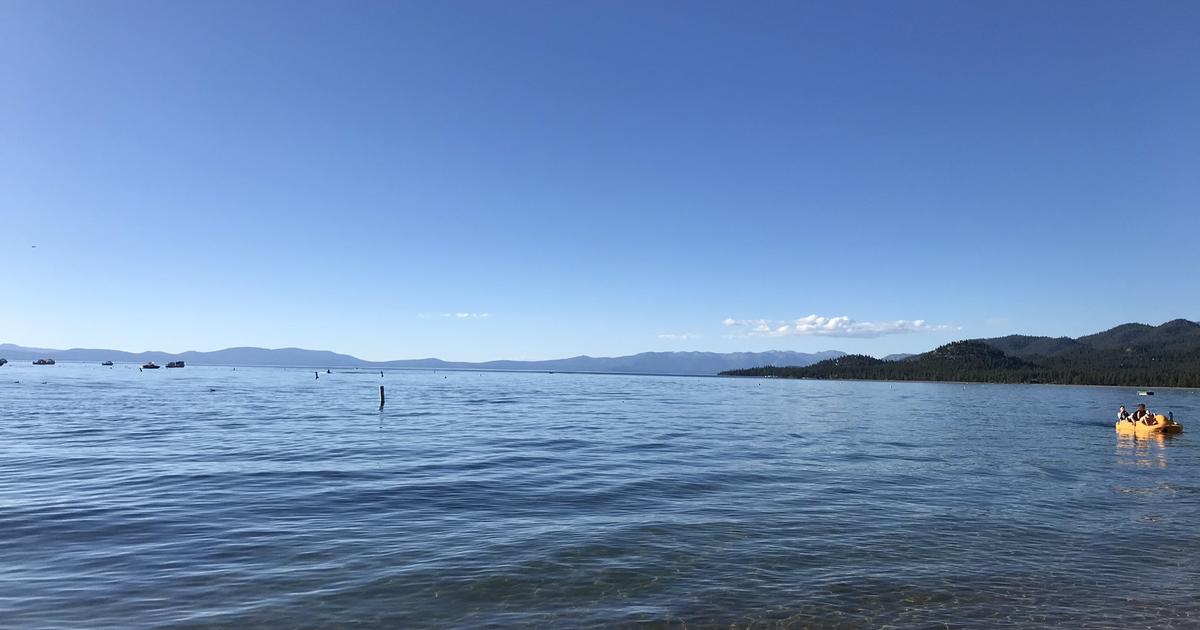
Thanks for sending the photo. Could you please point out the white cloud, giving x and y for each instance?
(829, 327)
(678, 336)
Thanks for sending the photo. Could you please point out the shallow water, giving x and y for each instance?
(262, 497)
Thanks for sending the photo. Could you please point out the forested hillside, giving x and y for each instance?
(1130, 354)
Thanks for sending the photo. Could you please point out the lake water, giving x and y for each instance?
(262, 497)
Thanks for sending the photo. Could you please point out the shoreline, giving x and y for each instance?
(352, 369)
(349, 370)
(913, 380)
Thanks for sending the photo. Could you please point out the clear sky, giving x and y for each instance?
(480, 180)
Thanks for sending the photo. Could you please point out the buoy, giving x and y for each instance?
(381, 399)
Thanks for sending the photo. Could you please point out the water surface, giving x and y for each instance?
(264, 497)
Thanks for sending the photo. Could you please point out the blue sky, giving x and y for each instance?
(600, 178)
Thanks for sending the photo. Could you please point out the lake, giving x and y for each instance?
(264, 497)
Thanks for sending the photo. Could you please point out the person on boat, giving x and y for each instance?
(1143, 416)
(1122, 414)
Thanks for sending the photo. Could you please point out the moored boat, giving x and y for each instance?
(44, 362)
(3, 361)
(150, 365)
(175, 364)
(107, 363)
(1145, 393)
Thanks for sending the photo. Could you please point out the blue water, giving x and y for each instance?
(262, 497)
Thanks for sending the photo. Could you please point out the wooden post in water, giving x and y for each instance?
(381, 397)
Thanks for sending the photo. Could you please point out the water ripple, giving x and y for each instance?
(148, 500)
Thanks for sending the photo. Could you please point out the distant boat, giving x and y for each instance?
(44, 362)
(150, 365)
(175, 364)
(107, 363)
(3, 361)
(1145, 393)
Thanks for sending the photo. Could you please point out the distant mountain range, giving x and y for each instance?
(1130, 354)
(700, 363)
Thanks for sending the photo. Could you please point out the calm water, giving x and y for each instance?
(209, 497)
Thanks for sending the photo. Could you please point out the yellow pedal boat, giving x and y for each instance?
(1163, 427)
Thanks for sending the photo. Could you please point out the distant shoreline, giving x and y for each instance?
(371, 369)
(345, 370)
(697, 363)
(913, 380)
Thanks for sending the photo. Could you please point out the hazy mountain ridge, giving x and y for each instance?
(228, 356)
(704, 363)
